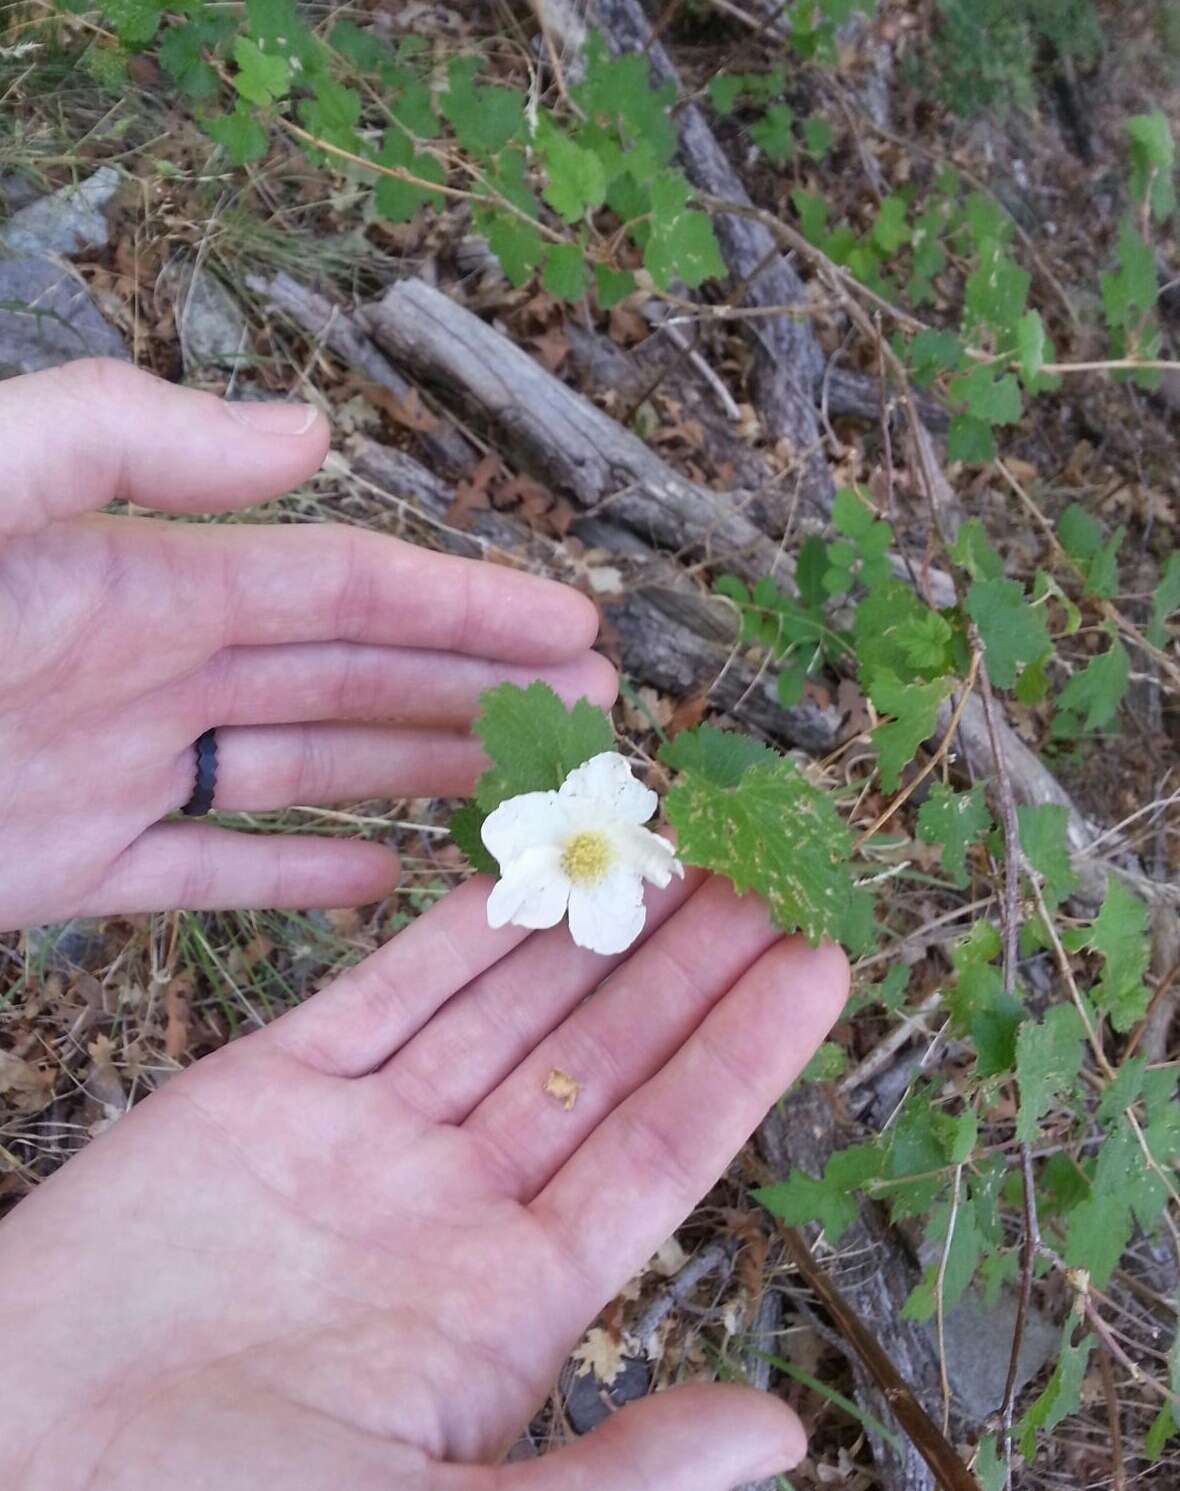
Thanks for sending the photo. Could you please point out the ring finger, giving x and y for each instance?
(261, 768)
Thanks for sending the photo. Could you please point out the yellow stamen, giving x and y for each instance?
(587, 857)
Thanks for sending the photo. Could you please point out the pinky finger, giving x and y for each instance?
(195, 867)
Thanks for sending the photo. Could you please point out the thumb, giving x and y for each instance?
(692, 1438)
(80, 436)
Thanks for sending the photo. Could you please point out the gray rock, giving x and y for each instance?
(77, 943)
(209, 321)
(978, 1345)
(588, 1402)
(47, 318)
(17, 190)
(65, 222)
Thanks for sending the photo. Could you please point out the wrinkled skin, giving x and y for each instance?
(337, 663)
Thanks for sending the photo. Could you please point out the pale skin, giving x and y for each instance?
(353, 1248)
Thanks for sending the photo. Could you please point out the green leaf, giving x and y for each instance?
(134, 22)
(973, 552)
(1048, 1058)
(466, 825)
(534, 741)
(1034, 349)
(1081, 538)
(1130, 292)
(721, 757)
(772, 832)
(182, 55)
(332, 114)
(577, 181)
(1043, 837)
(278, 29)
(1153, 156)
(962, 1259)
(830, 1201)
(915, 707)
(991, 398)
(261, 78)
(970, 440)
(1062, 1395)
(1120, 934)
(817, 136)
(890, 231)
(682, 244)
(724, 91)
(1097, 1235)
(399, 201)
(989, 1468)
(1013, 632)
(519, 247)
(954, 820)
(934, 352)
(828, 1063)
(484, 119)
(1097, 691)
(612, 285)
(565, 275)
(1165, 601)
(995, 293)
(239, 134)
(774, 133)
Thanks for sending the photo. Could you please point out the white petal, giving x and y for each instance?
(524, 822)
(532, 892)
(609, 916)
(646, 854)
(607, 779)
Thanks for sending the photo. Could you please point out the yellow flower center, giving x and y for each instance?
(587, 857)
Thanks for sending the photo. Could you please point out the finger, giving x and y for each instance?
(261, 768)
(324, 582)
(698, 1438)
(200, 868)
(644, 1167)
(612, 1043)
(505, 1013)
(371, 1010)
(82, 435)
(350, 681)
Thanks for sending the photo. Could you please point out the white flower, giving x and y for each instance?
(581, 847)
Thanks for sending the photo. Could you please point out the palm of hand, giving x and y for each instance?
(353, 1249)
(124, 639)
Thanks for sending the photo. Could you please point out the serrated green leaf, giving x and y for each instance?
(1131, 291)
(1097, 691)
(817, 136)
(962, 1259)
(612, 285)
(484, 119)
(775, 133)
(261, 77)
(576, 179)
(518, 246)
(995, 293)
(681, 244)
(918, 1144)
(1043, 837)
(239, 134)
(890, 230)
(534, 741)
(134, 22)
(934, 352)
(1165, 600)
(970, 440)
(1062, 1395)
(772, 832)
(991, 1471)
(915, 709)
(182, 55)
(1120, 934)
(1013, 632)
(828, 1063)
(565, 276)
(466, 826)
(721, 757)
(724, 91)
(990, 397)
(1048, 1058)
(332, 114)
(954, 820)
(973, 552)
(1153, 157)
(832, 1200)
(397, 200)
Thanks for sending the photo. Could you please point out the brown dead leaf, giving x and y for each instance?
(690, 711)
(603, 1355)
(471, 493)
(409, 412)
(104, 1083)
(562, 1088)
(551, 347)
(24, 1087)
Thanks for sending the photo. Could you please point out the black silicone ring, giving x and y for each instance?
(205, 783)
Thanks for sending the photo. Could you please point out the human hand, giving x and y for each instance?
(124, 639)
(353, 1249)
